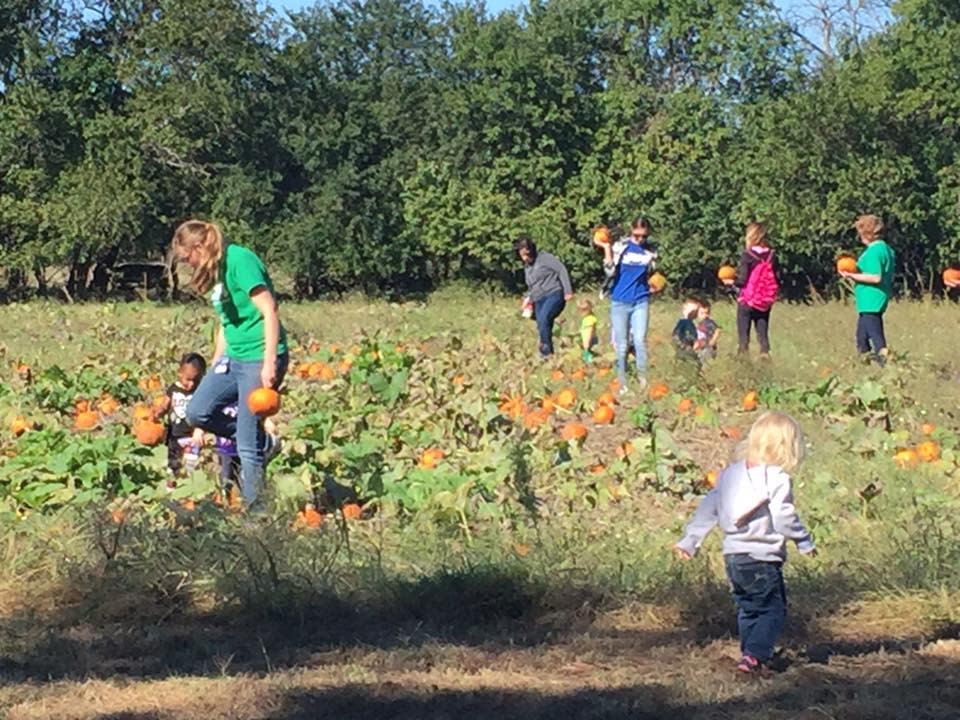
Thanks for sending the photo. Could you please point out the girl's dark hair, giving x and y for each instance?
(196, 361)
(642, 223)
(525, 244)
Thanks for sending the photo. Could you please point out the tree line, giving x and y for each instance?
(389, 146)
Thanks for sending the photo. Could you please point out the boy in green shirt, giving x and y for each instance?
(874, 285)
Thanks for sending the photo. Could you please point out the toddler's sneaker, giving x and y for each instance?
(748, 665)
(273, 448)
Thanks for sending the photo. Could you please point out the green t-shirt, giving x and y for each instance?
(241, 272)
(877, 259)
(588, 331)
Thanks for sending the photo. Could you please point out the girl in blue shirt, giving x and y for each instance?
(627, 265)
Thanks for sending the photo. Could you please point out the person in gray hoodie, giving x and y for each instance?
(548, 287)
(752, 503)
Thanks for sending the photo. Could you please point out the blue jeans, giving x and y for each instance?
(230, 382)
(761, 598)
(870, 332)
(627, 319)
(546, 310)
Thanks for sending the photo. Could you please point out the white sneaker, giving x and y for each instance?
(273, 448)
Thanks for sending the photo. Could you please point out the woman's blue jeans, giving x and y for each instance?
(630, 319)
(230, 382)
(546, 310)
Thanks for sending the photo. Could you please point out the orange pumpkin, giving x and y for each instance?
(535, 418)
(726, 272)
(657, 282)
(574, 431)
(597, 468)
(81, 406)
(20, 425)
(951, 275)
(601, 235)
(309, 517)
(149, 432)
(548, 405)
(624, 449)
(710, 479)
(607, 398)
(430, 458)
(513, 406)
(749, 401)
(658, 391)
(929, 450)
(86, 420)
(732, 432)
(557, 375)
(566, 398)
(264, 402)
(141, 413)
(847, 264)
(684, 406)
(906, 458)
(108, 405)
(579, 374)
(351, 511)
(603, 415)
(928, 428)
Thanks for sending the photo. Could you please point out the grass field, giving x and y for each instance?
(516, 579)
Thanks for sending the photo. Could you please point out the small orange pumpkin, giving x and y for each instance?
(86, 420)
(309, 517)
(929, 450)
(574, 431)
(579, 374)
(906, 458)
(264, 402)
(749, 401)
(658, 391)
(657, 282)
(601, 235)
(566, 398)
(951, 275)
(607, 398)
(351, 511)
(603, 415)
(20, 425)
(726, 272)
(557, 375)
(430, 458)
(535, 418)
(149, 432)
(684, 406)
(928, 428)
(845, 263)
(710, 479)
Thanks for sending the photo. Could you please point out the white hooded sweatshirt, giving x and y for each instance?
(754, 509)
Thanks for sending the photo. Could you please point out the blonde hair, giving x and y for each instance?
(756, 235)
(209, 238)
(585, 305)
(869, 227)
(775, 439)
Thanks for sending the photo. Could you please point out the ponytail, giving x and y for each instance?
(209, 238)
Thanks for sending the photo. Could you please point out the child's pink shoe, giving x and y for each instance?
(748, 665)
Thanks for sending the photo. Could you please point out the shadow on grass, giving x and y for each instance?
(114, 626)
(931, 692)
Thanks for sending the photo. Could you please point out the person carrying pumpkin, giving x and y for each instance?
(250, 351)
(549, 289)
(183, 440)
(873, 287)
(627, 265)
(756, 282)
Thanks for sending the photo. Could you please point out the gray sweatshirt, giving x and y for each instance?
(545, 276)
(754, 509)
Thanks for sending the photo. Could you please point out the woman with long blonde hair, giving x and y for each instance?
(251, 346)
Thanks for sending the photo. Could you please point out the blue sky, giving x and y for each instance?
(492, 5)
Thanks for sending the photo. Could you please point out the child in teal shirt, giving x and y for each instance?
(873, 287)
